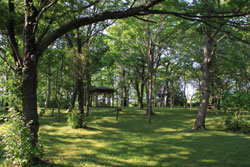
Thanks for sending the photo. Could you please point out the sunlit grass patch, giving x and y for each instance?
(133, 142)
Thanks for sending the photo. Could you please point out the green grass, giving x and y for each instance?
(132, 142)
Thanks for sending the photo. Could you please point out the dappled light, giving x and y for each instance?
(168, 141)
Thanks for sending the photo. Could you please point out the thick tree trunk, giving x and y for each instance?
(29, 76)
(201, 115)
(29, 99)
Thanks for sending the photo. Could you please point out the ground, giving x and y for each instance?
(132, 142)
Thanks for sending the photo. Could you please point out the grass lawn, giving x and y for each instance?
(132, 142)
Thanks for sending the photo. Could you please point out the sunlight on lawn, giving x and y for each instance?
(132, 142)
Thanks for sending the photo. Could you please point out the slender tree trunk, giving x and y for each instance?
(80, 101)
(138, 92)
(55, 102)
(47, 101)
(191, 98)
(73, 97)
(150, 82)
(184, 88)
(200, 118)
(168, 95)
(60, 92)
(141, 96)
(162, 96)
(147, 96)
(123, 98)
(6, 101)
(88, 94)
(59, 104)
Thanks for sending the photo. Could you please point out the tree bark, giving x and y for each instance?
(60, 92)
(29, 76)
(184, 88)
(88, 94)
(200, 118)
(55, 102)
(80, 101)
(47, 101)
(150, 80)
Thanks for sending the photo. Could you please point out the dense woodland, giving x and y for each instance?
(154, 53)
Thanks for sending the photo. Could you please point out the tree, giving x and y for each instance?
(40, 31)
(37, 37)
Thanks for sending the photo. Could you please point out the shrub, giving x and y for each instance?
(42, 112)
(17, 140)
(237, 123)
(74, 120)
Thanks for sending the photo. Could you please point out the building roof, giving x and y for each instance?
(102, 89)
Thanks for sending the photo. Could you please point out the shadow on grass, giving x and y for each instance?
(132, 142)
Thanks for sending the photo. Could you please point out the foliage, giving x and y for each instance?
(17, 141)
(74, 120)
(237, 123)
(236, 99)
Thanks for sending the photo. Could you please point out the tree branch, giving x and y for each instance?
(11, 34)
(41, 13)
(90, 20)
(7, 62)
(144, 19)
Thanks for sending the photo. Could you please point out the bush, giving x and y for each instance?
(74, 120)
(237, 123)
(42, 112)
(17, 140)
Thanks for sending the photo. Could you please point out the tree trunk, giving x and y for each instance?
(200, 118)
(32, 51)
(47, 101)
(55, 102)
(184, 88)
(29, 75)
(29, 98)
(150, 82)
(88, 94)
(73, 97)
(6, 101)
(138, 92)
(191, 98)
(60, 92)
(162, 96)
(80, 101)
